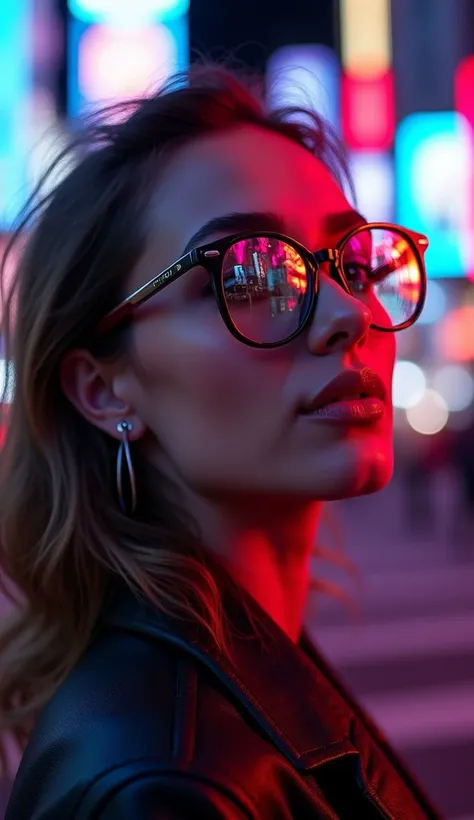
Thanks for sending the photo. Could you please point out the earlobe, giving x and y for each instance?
(88, 385)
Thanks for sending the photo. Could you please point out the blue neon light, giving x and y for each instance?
(15, 89)
(433, 152)
(127, 13)
(77, 103)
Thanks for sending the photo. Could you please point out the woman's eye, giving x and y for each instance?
(359, 273)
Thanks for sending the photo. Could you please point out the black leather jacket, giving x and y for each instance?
(153, 724)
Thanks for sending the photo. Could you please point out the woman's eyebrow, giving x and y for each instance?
(236, 223)
(334, 223)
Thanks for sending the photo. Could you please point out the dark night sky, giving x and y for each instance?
(252, 29)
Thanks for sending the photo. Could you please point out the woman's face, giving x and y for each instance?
(227, 417)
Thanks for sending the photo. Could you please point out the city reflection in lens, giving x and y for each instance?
(265, 281)
(382, 269)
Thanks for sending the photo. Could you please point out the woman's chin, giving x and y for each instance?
(349, 470)
(361, 473)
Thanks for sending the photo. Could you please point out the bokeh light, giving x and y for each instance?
(365, 37)
(430, 415)
(455, 339)
(435, 304)
(16, 61)
(368, 112)
(127, 13)
(433, 170)
(409, 384)
(463, 88)
(455, 384)
(119, 63)
(372, 173)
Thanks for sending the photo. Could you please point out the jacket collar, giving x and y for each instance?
(273, 679)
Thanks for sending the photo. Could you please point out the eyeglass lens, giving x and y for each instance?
(265, 282)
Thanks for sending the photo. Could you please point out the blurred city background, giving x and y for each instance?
(397, 83)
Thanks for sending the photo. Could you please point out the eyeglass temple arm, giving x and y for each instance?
(165, 277)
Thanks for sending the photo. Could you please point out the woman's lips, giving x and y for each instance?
(362, 410)
(355, 396)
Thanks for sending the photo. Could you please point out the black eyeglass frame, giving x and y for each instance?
(211, 255)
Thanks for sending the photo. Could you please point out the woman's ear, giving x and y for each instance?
(89, 386)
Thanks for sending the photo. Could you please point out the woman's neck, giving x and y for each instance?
(269, 555)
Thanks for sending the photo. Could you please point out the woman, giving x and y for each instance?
(203, 354)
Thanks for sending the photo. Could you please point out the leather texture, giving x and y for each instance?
(155, 724)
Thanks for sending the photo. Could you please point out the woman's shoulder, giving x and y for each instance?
(153, 716)
(126, 720)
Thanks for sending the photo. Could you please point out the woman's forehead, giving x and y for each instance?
(246, 169)
(243, 170)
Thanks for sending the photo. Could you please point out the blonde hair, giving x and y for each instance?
(63, 537)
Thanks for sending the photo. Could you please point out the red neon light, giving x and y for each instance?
(464, 104)
(464, 88)
(368, 112)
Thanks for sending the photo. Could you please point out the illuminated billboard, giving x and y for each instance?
(120, 50)
(126, 13)
(16, 86)
(434, 187)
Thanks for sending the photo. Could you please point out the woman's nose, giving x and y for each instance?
(340, 321)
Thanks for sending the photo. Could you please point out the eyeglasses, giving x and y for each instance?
(266, 285)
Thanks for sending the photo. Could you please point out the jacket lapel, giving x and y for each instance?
(291, 713)
(289, 691)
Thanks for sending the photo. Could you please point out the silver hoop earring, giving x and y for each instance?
(124, 448)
